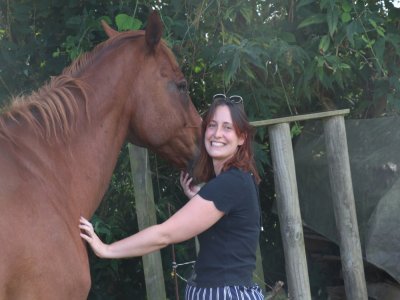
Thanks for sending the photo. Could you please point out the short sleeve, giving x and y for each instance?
(224, 190)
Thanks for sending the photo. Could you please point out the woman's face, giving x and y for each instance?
(221, 140)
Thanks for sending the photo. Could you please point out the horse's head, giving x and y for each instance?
(163, 117)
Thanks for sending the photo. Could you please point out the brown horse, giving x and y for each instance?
(59, 146)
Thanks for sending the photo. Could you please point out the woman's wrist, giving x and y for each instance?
(104, 251)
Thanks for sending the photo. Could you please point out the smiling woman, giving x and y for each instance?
(224, 213)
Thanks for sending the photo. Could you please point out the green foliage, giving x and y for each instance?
(125, 22)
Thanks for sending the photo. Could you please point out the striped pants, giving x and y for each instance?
(224, 293)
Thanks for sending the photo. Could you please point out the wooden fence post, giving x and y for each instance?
(289, 212)
(146, 215)
(344, 208)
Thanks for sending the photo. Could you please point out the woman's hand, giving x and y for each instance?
(88, 234)
(189, 190)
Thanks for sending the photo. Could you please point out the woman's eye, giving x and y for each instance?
(227, 127)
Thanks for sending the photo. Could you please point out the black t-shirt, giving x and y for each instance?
(227, 254)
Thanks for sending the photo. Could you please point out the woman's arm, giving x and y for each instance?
(195, 217)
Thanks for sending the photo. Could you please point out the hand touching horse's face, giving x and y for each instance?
(171, 126)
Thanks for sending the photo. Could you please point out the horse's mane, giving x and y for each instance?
(52, 111)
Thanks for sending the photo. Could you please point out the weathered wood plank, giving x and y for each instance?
(289, 212)
(300, 117)
(146, 215)
(344, 208)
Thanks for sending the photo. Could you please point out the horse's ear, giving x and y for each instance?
(154, 30)
(108, 30)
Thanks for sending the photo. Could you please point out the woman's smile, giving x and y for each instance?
(217, 144)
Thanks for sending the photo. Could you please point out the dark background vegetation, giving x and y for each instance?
(284, 57)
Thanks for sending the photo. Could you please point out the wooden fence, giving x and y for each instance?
(288, 208)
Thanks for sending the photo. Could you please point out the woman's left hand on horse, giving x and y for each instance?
(189, 189)
(88, 234)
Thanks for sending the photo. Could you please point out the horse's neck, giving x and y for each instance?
(74, 175)
(91, 166)
(94, 155)
(95, 150)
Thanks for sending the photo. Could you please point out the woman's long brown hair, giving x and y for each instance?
(243, 159)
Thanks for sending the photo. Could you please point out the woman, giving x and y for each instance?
(224, 213)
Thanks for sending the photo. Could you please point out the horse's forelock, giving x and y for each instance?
(171, 56)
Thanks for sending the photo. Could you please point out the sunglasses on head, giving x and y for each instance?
(232, 99)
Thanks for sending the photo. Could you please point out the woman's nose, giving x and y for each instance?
(218, 131)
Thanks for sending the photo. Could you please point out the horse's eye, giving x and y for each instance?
(182, 86)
